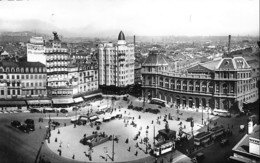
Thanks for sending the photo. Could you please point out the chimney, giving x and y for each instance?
(229, 39)
(134, 40)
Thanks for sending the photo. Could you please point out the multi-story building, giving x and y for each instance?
(35, 50)
(116, 66)
(223, 84)
(57, 60)
(248, 148)
(138, 75)
(22, 80)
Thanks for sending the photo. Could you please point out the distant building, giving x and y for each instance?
(22, 80)
(35, 50)
(116, 66)
(220, 84)
(248, 148)
(138, 75)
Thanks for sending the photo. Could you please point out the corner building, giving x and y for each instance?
(116, 66)
(221, 84)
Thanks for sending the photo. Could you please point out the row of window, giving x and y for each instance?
(36, 76)
(25, 92)
(23, 70)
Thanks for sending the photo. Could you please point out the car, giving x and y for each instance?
(30, 124)
(100, 112)
(64, 111)
(224, 142)
(16, 124)
(200, 156)
(55, 123)
(24, 128)
(189, 119)
(35, 111)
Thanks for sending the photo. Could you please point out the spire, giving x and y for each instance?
(121, 36)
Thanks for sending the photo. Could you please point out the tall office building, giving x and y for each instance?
(116, 66)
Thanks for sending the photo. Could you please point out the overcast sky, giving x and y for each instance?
(139, 17)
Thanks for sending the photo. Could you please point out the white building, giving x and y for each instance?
(35, 50)
(116, 66)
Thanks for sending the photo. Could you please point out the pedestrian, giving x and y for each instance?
(129, 149)
(58, 131)
(136, 145)
(64, 124)
(73, 157)
(136, 153)
(126, 141)
(152, 121)
(56, 139)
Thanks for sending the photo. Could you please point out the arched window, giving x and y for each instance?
(161, 82)
(178, 84)
(35, 69)
(197, 86)
(17, 69)
(31, 70)
(12, 69)
(172, 84)
(191, 85)
(204, 87)
(211, 88)
(225, 88)
(184, 85)
(167, 83)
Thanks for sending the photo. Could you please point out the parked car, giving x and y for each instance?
(224, 142)
(35, 111)
(189, 119)
(16, 124)
(64, 111)
(200, 156)
(30, 124)
(55, 123)
(24, 128)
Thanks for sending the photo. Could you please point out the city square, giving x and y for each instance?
(129, 81)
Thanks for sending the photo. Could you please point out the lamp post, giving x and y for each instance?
(49, 129)
(146, 150)
(201, 114)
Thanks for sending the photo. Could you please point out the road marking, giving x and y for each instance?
(178, 158)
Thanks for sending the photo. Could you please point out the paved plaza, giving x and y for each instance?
(69, 138)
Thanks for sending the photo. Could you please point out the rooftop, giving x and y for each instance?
(155, 59)
(21, 64)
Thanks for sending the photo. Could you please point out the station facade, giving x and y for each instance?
(219, 84)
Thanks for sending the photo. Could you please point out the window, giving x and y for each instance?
(14, 92)
(8, 92)
(22, 76)
(27, 76)
(35, 77)
(1, 76)
(2, 92)
(12, 76)
(18, 92)
(17, 77)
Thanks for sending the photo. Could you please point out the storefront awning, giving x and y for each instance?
(45, 102)
(33, 102)
(63, 101)
(97, 94)
(78, 99)
(12, 103)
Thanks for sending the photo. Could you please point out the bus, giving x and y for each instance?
(222, 113)
(217, 131)
(158, 102)
(163, 147)
(202, 138)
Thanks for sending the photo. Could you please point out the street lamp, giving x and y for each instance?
(146, 150)
(201, 114)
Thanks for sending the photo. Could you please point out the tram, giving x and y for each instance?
(163, 147)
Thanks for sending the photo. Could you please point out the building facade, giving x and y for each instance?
(222, 84)
(57, 60)
(116, 66)
(20, 80)
(35, 50)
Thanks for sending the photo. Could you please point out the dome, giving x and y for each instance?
(121, 36)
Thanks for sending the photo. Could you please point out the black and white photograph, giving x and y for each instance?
(129, 81)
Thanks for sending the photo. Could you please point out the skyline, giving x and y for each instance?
(106, 18)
